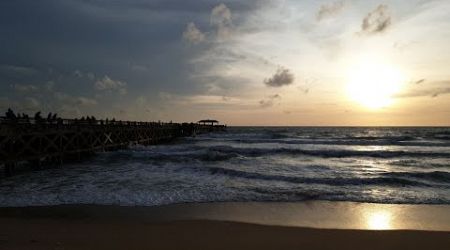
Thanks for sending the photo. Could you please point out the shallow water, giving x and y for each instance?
(382, 165)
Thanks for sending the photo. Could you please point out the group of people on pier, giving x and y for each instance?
(10, 116)
(22, 118)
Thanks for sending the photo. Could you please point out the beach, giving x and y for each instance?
(254, 225)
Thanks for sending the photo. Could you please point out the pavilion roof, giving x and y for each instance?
(208, 121)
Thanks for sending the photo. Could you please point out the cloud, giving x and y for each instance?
(49, 85)
(68, 99)
(18, 69)
(441, 89)
(31, 103)
(25, 88)
(106, 83)
(269, 101)
(84, 101)
(221, 19)
(402, 46)
(430, 92)
(281, 78)
(304, 90)
(376, 21)
(90, 76)
(69, 110)
(78, 73)
(329, 10)
(420, 81)
(221, 22)
(5, 103)
(192, 34)
(139, 68)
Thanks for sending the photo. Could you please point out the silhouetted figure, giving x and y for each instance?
(54, 117)
(49, 117)
(38, 117)
(25, 118)
(10, 115)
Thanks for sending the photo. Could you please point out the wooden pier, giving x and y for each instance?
(42, 141)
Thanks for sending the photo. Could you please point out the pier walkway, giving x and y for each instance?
(41, 141)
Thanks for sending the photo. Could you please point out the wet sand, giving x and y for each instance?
(304, 225)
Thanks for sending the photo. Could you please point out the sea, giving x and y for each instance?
(405, 165)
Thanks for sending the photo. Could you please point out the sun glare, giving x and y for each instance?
(379, 220)
(373, 84)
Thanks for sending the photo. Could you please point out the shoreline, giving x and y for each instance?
(198, 234)
(251, 225)
(309, 214)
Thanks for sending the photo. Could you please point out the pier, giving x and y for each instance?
(40, 141)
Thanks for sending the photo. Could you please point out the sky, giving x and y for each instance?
(256, 62)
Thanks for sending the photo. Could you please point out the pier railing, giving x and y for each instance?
(44, 140)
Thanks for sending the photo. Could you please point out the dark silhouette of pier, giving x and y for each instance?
(53, 140)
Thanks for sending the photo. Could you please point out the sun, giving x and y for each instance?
(374, 84)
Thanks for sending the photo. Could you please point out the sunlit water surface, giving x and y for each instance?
(380, 165)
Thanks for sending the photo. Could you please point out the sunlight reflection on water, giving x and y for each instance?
(379, 220)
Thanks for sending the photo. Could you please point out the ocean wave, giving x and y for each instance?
(366, 134)
(419, 163)
(343, 142)
(326, 153)
(227, 153)
(386, 179)
(436, 176)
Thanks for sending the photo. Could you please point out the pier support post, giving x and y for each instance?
(59, 161)
(36, 165)
(9, 169)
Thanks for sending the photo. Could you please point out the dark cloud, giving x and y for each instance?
(98, 49)
(330, 10)
(376, 21)
(195, 7)
(281, 78)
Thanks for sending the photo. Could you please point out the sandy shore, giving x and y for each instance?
(226, 226)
